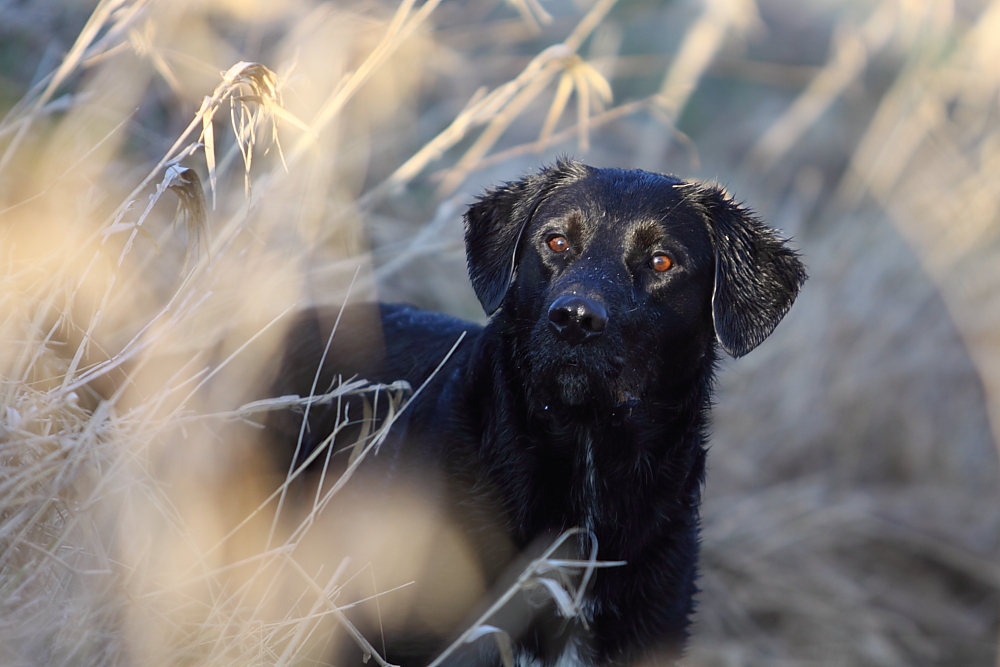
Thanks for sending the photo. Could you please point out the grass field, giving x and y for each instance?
(177, 178)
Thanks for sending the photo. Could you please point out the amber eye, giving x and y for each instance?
(558, 244)
(660, 263)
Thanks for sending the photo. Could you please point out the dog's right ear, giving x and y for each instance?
(757, 276)
(495, 223)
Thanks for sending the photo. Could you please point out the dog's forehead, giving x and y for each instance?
(624, 201)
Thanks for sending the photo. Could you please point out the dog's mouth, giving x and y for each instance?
(574, 379)
(574, 388)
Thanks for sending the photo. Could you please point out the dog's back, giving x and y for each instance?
(380, 343)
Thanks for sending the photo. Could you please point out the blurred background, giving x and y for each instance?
(177, 177)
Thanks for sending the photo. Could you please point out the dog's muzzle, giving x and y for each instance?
(577, 319)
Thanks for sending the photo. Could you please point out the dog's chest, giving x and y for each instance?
(567, 481)
(587, 512)
(572, 656)
(577, 651)
(587, 492)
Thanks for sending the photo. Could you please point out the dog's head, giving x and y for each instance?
(615, 281)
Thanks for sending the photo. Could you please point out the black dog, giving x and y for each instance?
(583, 402)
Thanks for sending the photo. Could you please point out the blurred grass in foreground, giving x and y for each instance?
(177, 177)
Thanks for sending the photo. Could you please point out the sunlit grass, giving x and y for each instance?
(190, 174)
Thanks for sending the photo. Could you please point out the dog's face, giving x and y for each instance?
(616, 282)
(608, 282)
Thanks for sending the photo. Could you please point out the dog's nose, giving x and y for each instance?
(577, 319)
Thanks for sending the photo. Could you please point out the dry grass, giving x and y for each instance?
(177, 177)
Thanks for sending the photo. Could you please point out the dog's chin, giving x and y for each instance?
(573, 386)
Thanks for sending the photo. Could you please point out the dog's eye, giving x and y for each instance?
(558, 244)
(661, 263)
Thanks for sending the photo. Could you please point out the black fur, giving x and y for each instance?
(534, 432)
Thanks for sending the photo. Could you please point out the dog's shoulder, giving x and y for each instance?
(379, 343)
(417, 341)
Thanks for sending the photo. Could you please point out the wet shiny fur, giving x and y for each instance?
(583, 402)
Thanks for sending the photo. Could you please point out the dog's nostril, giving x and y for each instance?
(594, 323)
(559, 316)
(576, 319)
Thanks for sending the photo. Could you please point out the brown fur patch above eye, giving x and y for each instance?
(574, 224)
(647, 235)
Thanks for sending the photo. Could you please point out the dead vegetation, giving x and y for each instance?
(177, 177)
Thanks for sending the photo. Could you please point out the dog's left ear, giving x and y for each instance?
(495, 223)
(757, 276)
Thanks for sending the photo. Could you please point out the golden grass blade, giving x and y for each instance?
(504, 643)
(914, 161)
(305, 415)
(191, 207)
(386, 426)
(323, 598)
(88, 334)
(556, 590)
(367, 420)
(699, 47)
(207, 139)
(563, 91)
(244, 119)
(399, 29)
(175, 153)
(532, 13)
(98, 19)
(503, 119)
(526, 580)
(618, 112)
(588, 24)
(597, 83)
(187, 185)
(142, 43)
(494, 130)
(480, 109)
(592, 85)
(293, 400)
(583, 93)
(72, 168)
(501, 107)
(851, 51)
(369, 650)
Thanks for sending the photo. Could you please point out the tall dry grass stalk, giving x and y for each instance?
(133, 505)
(189, 174)
(928, 156)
